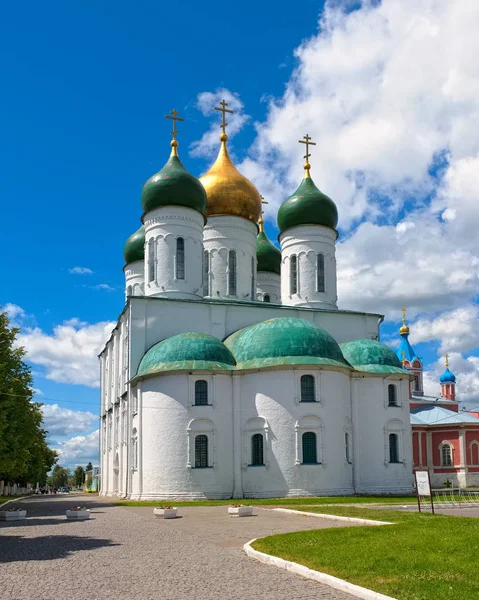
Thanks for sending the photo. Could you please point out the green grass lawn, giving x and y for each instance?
(280, 501)
(421, 557)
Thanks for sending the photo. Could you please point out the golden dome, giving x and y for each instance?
(404, 329)
(228, 192)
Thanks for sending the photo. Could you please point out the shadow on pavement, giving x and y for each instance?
(17, 548)
(29, 521)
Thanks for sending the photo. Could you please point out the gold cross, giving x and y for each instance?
(261, 220)
(174, 117)
(447, 360)
(307, 140)
(403, 354)
(224, 110)
(404, 310)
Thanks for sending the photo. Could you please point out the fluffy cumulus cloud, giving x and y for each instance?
(79, 450)
(80, 271)
(208, 144)
(70, 353)
(65, 422)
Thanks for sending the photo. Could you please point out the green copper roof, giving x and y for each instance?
(187, 352)
(173, 185)
(372, 357)
(307, 206)
(268, 256)
(284, 341)
(134, 247)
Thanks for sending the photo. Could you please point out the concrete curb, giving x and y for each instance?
(12, 500)
(333, 517)
(334, 582)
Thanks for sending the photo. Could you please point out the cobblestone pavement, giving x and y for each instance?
(128, 554)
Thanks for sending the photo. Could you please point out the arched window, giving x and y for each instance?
(320, 272)
(392, 399)
(151, 260)
(201, 451)
(201, 392)
(129, 291)
(253, 260)
(266, 298)
(293, 282)
(310, 455)
(393, 448)
(347, 447)
(206, 273)
(257, 445)
(474, 453)
(232, 273)
(180, 258)
(446, 455)
(308, 392)
(417, 386)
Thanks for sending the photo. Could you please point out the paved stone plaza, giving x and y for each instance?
(127, 554)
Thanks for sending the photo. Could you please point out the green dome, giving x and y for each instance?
(268, 256)
(284, 341)
(372, 357)
(134, 247)
(187, 352)
(173, 185)
(307, 206)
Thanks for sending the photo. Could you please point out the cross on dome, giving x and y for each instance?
(174, 117)
(261, 220)
(307, 141)
(222, 108)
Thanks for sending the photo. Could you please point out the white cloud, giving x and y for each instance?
(13, 311)
(80, 271)
(37, 392)
(79, 450)
(63, 421)
(104, 286)
(69, 355)
(208, 145)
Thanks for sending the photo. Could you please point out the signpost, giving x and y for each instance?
(423, 487)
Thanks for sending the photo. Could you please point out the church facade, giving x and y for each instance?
(231, 372)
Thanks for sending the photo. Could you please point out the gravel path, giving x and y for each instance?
(127, 554)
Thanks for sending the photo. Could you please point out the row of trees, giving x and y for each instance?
(61, 476)
(24, 454)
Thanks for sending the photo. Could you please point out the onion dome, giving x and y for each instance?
(173, 186)
(371, 356)
(229, 192)
(284, 341)
(307, 206)
(186, 352)
(447, 377)
(135, 246)
(267, 255)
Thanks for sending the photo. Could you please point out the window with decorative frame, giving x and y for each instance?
(474, 450)
(308, 388)
(394, 448)
(151, 260)
(446, 455)
(347, 447)
(320, 273)
(201, 451)
(201, 447)
(293, 275)
(392, 395)
(310, 448)
(201, 392)
(266, 298)
(257, 450)
(232, 273)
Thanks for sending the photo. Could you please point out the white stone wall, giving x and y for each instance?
(268, 283)
(373, 421)
(163, 226)
(134, 278)
(222, 234)
(306, 242)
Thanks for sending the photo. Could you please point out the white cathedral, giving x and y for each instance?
(231, 372)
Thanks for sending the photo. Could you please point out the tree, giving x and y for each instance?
(24, 454)
(59, 477)
(78, 476)
(89, 467)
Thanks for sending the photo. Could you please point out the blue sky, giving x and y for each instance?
(81, 115)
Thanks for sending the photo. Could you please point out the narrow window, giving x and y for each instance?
(151, 260)
(206, 273)
(416, 383)
(128, 291)
(308, 393)
(293, 283)
(257, 449)
(266, 298)
(347, 447)
(252, 277)
(393, 448)
(320, 269)
(392, 400)
(474, 453)
(446, 455)
(232, 273)
(201, 451)
(201, 393)
(180, 258)
(309, 448)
